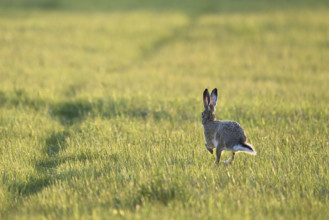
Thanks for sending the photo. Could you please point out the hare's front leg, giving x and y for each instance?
(218, 153)
(229, 160)
(210, 149)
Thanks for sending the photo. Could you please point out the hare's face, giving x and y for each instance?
(208, 115)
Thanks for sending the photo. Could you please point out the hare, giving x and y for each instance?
(222, 135)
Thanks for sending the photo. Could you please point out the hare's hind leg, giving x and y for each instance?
(218, 153)
(229, 160)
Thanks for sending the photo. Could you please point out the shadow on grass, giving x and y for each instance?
(76, 111)
(70, 112)
(33, 185)
(19, 98)
(56, 142)
(47, 174)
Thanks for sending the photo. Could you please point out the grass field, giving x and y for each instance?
(100, 109)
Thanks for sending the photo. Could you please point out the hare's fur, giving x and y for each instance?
(222, 135)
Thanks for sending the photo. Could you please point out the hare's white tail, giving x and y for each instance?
(245, 147)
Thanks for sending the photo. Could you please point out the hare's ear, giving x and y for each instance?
(206, 98)
(213, 98)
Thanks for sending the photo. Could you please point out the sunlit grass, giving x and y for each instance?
(100, 111)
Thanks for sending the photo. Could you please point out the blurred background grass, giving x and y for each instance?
(183, 6)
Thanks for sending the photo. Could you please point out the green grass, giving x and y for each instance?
(100, 109)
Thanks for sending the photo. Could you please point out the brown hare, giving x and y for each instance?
(222, 135)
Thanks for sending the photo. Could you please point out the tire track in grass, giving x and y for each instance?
(147, 52)
(70, 115)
